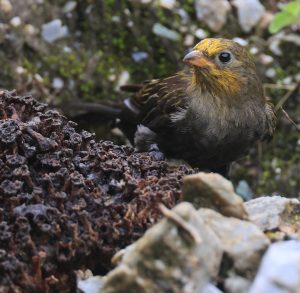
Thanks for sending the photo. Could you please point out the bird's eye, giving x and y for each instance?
(224, 57)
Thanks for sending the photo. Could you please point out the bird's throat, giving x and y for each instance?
(220, 83)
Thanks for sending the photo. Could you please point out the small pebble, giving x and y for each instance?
(241, 41)
(69, 7)
(5, 6)
(16, 21)
(169, 4)
(139, 56)
(200, 33)
(57, 83)
(20, 70)
(265, 59)
(288, 80)
(165, 32)
(188, 40)
(253, 50)
(54, 30)
(270, 72)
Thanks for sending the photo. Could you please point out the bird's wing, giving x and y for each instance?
(158, 100)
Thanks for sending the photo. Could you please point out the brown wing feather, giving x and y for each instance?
(159, 98)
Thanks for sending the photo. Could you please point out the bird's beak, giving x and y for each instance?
(196, 58)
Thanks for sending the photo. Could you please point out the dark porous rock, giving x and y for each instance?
(280, 270)
(278, 216)
(179, 254)
(242, 241)
(67, 202)
(211, 190)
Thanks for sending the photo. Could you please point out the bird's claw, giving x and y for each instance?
(155, 153)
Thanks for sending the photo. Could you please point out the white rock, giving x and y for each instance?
(38, 77)
(249, 13)
(58, 83)
(297, 77)
(16, 21)
(165, 32)
(276, 40)
(270, 72)
(90, 285)
(273, 212)
(266, 59)
(139, 56)
(115, 18)
(280, 270)
(5, 6)
(169, 4)
(20, 70)
(253, 50)
(212, 12)
(69, 7)
(200, 33)
(241, 41)
(30, 29)
(188, 40)
(288, 80)
(123, 79)
(183, 14)
(54, 30)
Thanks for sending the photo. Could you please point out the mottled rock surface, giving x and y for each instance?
(280, 269)
(213, 191)
(179, 254)
(243, 243)
(276, 214)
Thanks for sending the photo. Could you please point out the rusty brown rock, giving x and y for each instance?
(67, 201)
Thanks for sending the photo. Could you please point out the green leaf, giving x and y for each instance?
(281, 20)
(292, 7)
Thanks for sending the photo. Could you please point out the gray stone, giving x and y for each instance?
(237, 284)
(243, 189)
(276, 212)
(165, 32)
(249, 13)
(213, 13)
(54, 30)
(179, 254)
(242, 241)
(280, 270)
(88, 283)
(211, 190)
(210, 288)
(139, 56)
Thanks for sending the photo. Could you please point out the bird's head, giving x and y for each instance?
(221, 67)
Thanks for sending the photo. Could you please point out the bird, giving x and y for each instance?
(209, 114)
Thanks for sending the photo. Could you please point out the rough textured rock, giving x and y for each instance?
(275, 213)
(179, 254)
(212, 17)
(249, 13)
(237, 284)
(243, 243)
(68, 202)
(213, 191)
(280, 269)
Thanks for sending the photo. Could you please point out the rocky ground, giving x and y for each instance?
(65, 51)
(232, 247)
(72, 207)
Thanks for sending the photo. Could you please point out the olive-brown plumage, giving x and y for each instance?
(208, 115)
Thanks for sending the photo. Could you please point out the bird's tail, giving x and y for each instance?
(121, 115)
